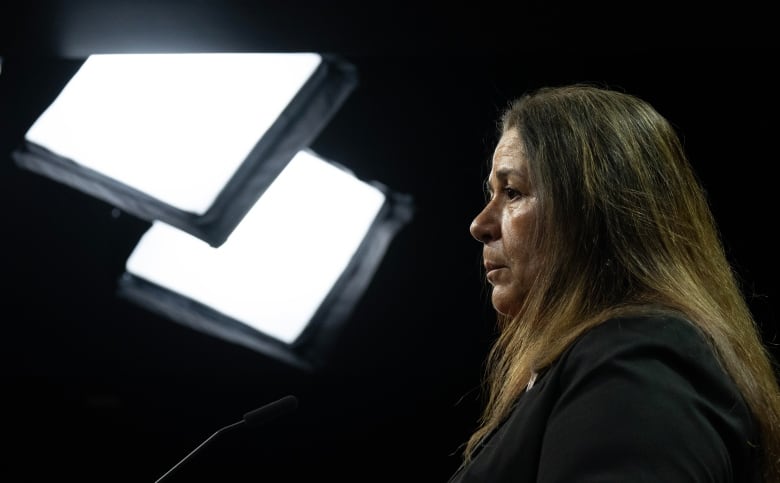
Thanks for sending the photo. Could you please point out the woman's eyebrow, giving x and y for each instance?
(504, 173)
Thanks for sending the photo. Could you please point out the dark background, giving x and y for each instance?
(95, 388)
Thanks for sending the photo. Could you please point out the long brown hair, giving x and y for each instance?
(632, 233)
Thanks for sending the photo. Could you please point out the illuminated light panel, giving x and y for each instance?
(188, 139)
(280, 263)
(174, 126)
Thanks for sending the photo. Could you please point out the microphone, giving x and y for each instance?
(253, 419)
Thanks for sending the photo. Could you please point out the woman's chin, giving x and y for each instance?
(504, 305)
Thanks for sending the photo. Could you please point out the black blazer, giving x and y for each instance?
(632, 400)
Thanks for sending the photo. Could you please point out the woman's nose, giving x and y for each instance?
(484, 228)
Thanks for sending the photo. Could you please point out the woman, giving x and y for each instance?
(626, 351)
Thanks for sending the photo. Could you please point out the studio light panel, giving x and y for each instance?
(188, 139)
(296, 264)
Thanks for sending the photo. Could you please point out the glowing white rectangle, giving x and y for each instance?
(278, 265)
(174, 126)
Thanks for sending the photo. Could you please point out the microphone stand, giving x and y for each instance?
(253, 418)
(200, 446)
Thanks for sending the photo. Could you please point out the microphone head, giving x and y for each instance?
(271, 411)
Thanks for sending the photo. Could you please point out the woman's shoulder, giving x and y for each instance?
(654, 386)
(656, 334)
(662, 353)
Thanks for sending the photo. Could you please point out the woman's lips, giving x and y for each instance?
(492, 270)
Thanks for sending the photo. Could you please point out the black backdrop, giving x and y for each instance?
(97, 389)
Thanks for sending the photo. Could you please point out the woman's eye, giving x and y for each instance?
(511, 193)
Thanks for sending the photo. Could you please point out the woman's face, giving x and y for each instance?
(505, 226)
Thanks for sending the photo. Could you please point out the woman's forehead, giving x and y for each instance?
(509, 156)
(509, 144)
